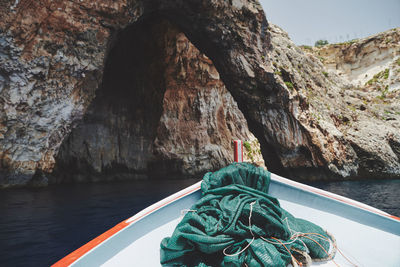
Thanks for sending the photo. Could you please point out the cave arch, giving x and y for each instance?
(234, 35)
(57, 49)
(117, 132)
(123, 132)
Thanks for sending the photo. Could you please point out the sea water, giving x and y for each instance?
(40, 226)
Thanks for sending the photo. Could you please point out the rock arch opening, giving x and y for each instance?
(161, 109)
(54, 62)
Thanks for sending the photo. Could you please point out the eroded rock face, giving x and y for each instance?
(161, 109)
(117, 133)
(369, 115)
(51, 60)
(361, 100)
(71, 39)
(200, 118)
(358, 61)
(350, 131)
(52, 56)
(307, 139)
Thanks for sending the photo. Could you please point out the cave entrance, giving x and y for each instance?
(161, 109)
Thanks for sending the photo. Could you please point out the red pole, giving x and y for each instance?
(238, 155)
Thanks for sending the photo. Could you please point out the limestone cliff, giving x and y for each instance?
(200, 118)
(67, 80)
(362, 62)
(53, 57)
(364, 99)
(162, 109)
(51, 61)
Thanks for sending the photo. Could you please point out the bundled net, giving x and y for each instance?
(236, 223)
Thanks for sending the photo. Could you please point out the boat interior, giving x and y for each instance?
(359, 230)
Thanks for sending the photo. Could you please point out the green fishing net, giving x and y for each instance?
(236, 223)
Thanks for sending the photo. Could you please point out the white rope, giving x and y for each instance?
(294, 236)
(248, 245)
(237, 253)
(251, 212)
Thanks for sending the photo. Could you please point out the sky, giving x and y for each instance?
(337, 21)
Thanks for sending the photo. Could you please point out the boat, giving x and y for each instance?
(365, 236)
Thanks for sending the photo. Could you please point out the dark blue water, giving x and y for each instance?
(381, 194)
(40, 226)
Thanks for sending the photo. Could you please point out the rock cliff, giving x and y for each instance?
(161, 109)
(350, 102)
(68, 83)
(367, 108)
(359, 60)
(200, 118)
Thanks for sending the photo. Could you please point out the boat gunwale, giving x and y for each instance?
(333, 196)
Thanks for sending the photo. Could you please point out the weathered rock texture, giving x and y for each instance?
(364, 103)
(52, 56)
(51, 61)
(358, 61)
(200, 118)
(161, 109)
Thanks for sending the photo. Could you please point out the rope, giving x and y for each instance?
(330, 257)
(294, 237)
(251, 212)
(248, 245)
(332, 243)
(332, 239)
(293, 258)
(334, 246)
(237, 253)
(341, 253)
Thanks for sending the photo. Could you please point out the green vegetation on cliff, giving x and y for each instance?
(380, 75)
(321, 43)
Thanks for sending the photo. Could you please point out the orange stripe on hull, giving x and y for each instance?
(72, 257)
(394, 217)
(75, 255)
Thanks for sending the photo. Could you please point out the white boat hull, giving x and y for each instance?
(366, 236)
